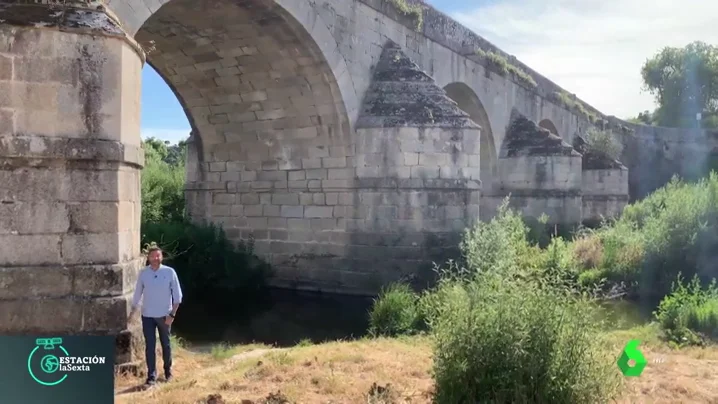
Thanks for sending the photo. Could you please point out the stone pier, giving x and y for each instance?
(70, 160)
(540, 172)
(604, 184)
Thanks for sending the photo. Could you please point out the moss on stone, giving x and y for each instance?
(574, 105)
(525, 138)
(401, 94)
(503, 67)
(413, 10)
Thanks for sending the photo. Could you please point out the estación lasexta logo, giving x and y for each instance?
(44, 366)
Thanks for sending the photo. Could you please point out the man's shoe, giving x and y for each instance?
(168, 378)
(150, 382)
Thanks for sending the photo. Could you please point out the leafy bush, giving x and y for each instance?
(395, 312)
(210, 267)
(690, 313)
(509, 325)
(512, 341)
(604, 142)
(496, 246)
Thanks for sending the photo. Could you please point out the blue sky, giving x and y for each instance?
(593, 48)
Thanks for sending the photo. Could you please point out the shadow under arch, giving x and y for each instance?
(548, 125)
(469, 102)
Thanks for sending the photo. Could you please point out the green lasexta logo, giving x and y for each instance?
(49, 363)
(631, 353)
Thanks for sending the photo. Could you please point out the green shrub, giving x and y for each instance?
(395, 312)
(210, 267)
(590, 278)
(622, 252)
(496, 246)
(557, 265)
(690, 313)
(673, 229)
(510, 326)
(162, 184)
(603, 142)
(512, 341)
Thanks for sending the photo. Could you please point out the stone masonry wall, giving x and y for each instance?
(605, 193)
(655, 154)
(540, 184)
(69, 178)
(540, 172)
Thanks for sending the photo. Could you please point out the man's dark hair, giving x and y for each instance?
(152, 249)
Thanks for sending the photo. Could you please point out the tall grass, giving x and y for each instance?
(689, 315)
(674, 229)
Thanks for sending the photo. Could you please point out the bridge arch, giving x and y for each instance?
(267, 110)
(549, 125)
(296, 18)
(469, 102)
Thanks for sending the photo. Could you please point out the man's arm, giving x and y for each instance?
(139, 289)
(176, 293)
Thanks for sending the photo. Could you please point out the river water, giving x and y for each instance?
(287, 318)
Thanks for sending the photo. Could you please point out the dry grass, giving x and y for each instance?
(337, 372)
(346, 372)
(685, 376)
(588, 251)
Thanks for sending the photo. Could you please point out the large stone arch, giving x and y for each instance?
(269, 122)
(301, 16)
(469, 102)
(549, 126)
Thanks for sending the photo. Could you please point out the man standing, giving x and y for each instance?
(159, 288)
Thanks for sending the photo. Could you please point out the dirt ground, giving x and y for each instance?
(381, 371)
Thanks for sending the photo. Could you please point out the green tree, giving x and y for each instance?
(163, 179)
(684, 82)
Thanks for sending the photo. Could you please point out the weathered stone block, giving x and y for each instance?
(14, 249)
(100, 248)
(63, 315)
(318, 211)
(33, 282)
(605, 193)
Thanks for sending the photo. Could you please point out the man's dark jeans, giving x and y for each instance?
(149, 325)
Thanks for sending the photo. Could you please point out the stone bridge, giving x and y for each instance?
(353, 139)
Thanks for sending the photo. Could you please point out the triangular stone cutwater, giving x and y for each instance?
(525, 138)
(401, 94)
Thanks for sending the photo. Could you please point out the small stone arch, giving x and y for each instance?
(470, 103)
(548, 125)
